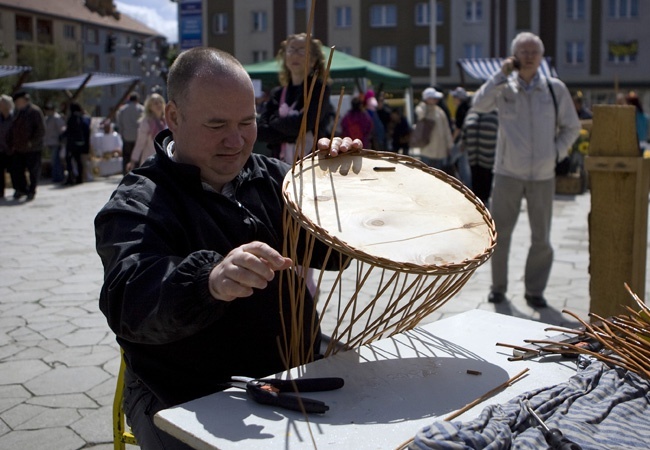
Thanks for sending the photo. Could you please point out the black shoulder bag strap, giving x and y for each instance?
(550, 88)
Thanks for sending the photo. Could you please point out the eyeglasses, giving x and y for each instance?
(527, 53)
(296, 51)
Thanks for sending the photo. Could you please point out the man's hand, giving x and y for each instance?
(339, 145)
(509, 65)
(245, 268)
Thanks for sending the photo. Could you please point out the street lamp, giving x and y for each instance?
(433, 22)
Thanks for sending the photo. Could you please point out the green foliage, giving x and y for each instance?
(46, 64)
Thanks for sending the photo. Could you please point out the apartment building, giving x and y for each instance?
(63, 38)
(597, 46)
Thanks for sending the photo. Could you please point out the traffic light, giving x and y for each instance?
(137, 48)
(111, 40)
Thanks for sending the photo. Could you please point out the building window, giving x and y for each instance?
(92, 36)
(92, 62)
(473, 11)
(473, 50)
(24, 28)
(111, 64)
(440, 56)
(383, 16)
(623, 9)
(575, 52)
(422, 14)
(259, 55)
(68, 31)
(575, 9)
(343, 17)
(44, 34)
(259, 21)
(422, 17)
(126, 65)
(421, 56)
(220, 23)
(385, 55)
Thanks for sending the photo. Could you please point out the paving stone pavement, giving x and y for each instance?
(59, 360)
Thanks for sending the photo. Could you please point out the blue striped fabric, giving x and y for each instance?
(598, 408)
(483, 68)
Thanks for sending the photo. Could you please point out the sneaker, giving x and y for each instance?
(496, 297)
(18, 195)
(536, 301)
(30, 196)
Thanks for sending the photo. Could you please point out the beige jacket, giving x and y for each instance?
(441, 141)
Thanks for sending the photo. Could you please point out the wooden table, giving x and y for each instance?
(393, 388)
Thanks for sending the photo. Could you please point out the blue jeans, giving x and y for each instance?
(57, 164)
(460, 161)
(436, 163)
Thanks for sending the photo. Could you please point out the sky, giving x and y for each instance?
(157, 14)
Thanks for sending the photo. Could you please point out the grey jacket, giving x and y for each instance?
(532, 136)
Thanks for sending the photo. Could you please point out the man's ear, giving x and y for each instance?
(172, 115)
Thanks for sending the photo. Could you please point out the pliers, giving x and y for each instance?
(273, 392)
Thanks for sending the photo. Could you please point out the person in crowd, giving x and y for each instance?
(6, 118)
(128, 117)
(77, 143)
(106, 141)
(399, 131)
(463, 103)
(54, 128)
(459, 160)
(479, 139)
(378, 136)
(641, 118)
(384, 113)
(106, 144)
(25, 142)
(280, 122)
(533, 136)
(357, 123)
(191, 242)
(436, 153)
(150, 124)
(579, 103)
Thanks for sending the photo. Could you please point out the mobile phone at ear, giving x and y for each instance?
(516, 63)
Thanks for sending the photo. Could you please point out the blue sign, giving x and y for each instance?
(190, 24)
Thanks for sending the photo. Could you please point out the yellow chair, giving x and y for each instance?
(121, 436)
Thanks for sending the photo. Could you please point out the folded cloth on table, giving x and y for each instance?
(598, 408)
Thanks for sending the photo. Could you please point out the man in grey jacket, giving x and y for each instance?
(537, 126)
(128, 118)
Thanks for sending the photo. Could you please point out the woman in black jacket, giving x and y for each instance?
(77, 135)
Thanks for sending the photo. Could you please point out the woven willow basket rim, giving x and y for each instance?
(343, 247)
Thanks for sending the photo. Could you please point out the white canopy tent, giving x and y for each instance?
(91, 79)
(23, 71)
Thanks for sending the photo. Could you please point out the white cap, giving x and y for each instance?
(431, 93)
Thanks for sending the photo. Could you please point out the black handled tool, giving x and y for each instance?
(553, 436)
(272, 392)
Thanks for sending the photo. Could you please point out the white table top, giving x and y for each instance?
(393, 388)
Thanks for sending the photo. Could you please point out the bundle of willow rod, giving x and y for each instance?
(625, 338)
